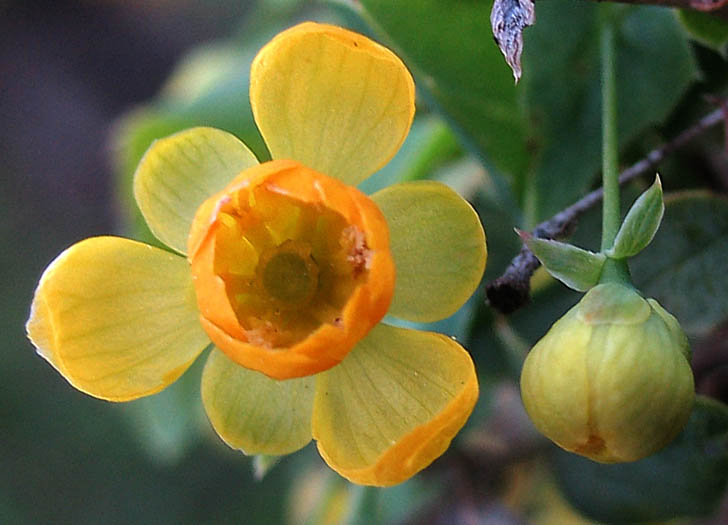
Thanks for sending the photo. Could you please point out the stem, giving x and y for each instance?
(610, 146)
(616, 271)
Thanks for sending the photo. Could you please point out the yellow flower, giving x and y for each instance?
(288, 269)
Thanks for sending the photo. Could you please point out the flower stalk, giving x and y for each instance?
(614, 270)
(610, 144)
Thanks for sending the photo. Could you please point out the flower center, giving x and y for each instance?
(290, 275)
(288, 266)
(291, 268)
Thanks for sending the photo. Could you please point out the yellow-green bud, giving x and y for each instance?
(611, 379)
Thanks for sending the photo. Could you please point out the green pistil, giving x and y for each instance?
(290, 278)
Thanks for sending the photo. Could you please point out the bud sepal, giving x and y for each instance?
(580, 269)
(640, 224)
(577, 268)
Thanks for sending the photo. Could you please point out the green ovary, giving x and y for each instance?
(289, 276)
(287, 265)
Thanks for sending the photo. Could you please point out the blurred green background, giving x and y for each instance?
(85, 86)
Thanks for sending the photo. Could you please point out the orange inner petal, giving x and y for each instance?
(291, 268)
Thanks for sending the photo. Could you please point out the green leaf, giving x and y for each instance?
(641, 223)
(363, 506)
(169, 424)
(132, 135)
(462, 72)
(497, 212)
(209, 87)
(577, 268)
(457, 65)
(429, 145)
(562, 81)
(439, 146)
(687, 478)
(685, 266)
(400, 502)
(705, 28)
(438, 246)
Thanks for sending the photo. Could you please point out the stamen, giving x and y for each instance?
(359, 255)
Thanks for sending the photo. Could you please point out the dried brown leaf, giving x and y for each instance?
(508, 19)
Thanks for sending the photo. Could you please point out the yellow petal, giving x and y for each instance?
(117, 318)
(438, 245)
(179, 172)
(332, 100)
(393, 405)
(254, 413)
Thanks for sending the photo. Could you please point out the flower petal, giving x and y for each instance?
(393, 405)
(438, 245)
(331, 99)
(179, 172)
(117, 318)
(254, 413)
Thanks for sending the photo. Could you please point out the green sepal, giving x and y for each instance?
(641, 223)
(577, 268)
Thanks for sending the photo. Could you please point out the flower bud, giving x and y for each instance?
(611, 379)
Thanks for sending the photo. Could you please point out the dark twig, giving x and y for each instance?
(722, 103)
(511, 290)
